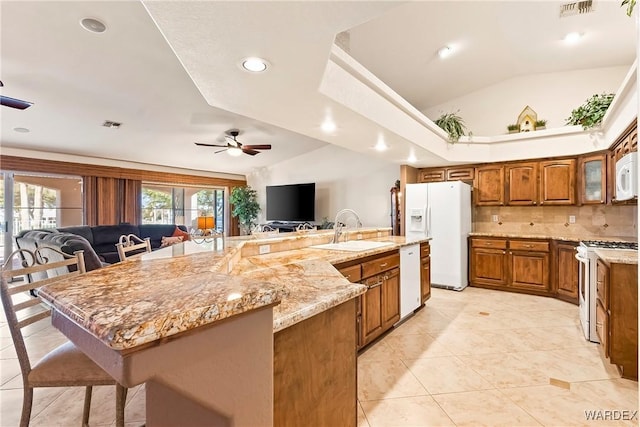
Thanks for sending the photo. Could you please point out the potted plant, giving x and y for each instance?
(589, 115)
(513, 128)
(452, 124)
(540, 124)
(245, 207)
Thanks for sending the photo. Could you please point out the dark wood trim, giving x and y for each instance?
(53, 166)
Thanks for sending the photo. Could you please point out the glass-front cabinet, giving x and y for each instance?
(593, 179)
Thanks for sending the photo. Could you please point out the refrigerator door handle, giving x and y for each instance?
(429, 221)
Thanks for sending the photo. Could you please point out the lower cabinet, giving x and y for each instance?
(510, 264)
(425, 272)
(617, 315)
(566, 271)
(378, 309)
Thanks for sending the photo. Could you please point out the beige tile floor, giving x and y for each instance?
(487, 358)
(468, 358)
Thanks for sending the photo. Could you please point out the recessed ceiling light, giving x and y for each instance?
(445, 51)
(22, 130)
(328, 126)
(380, 145)
(255, 65)
(234, 151)
(93, 25)
(411, 158)
(572, 38)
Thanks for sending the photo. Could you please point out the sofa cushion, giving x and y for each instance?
(109, 234)
(80, 230)
(155, 232)
(178, 232)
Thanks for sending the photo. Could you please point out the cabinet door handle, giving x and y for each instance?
(504, 252)
(528, 246)
(384, 264)
(375, 285)
(488, 244)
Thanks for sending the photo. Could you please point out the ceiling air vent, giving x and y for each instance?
(576, 8)
(110, 124)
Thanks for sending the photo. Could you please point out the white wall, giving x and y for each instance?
(344, 179)
(488, 111)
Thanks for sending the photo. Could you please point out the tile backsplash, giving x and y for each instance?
(590, 221)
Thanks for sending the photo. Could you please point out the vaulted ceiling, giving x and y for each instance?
(168, 71)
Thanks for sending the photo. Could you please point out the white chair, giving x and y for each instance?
(65, 366)
(131, 243)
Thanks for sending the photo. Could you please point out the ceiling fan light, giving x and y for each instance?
(234, 151)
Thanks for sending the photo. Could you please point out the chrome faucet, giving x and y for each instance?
(338, 224)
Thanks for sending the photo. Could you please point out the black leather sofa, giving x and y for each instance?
(98, 242)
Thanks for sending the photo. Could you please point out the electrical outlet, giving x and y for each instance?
(264, 249)
(494, 218)
(572, 219)
(359, 236)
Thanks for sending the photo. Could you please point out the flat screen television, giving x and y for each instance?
(291, 203)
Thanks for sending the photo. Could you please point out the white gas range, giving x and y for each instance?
(587, 281)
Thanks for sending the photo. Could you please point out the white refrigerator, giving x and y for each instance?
(442, 211)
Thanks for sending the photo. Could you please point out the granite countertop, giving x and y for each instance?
(618, 256)
(152, 296)
(568, 238)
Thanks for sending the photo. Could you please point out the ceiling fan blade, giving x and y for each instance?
(249, 151)
(209, 145)
(220, 151)
(258, 147)
(14, 103)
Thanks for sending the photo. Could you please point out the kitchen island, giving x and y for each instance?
(313, 327)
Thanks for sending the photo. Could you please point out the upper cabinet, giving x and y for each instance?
(489, 186)
(456, 173)
(592, 179)
(522, 184)
(557, 182)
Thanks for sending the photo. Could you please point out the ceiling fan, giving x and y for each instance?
(13, 102)
(234, 147)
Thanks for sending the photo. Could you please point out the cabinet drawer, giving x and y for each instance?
(529, 245)
(352, 274)
(425, 250)
(381, 264)
(489, 243)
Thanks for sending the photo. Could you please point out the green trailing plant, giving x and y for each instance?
(541, 123)
(245, 207)
(630, 5)
(513, 128)
(589, 115)
(452, 124)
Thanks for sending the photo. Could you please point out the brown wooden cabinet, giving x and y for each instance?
(557, 182)
(510, 264)
(592, 179)
(626, 143)
(378, 309)
(456, 173)
(488, 260)
(489, 186)
(529, 265)
(425, 272)
(617, 315)
(566, 271)
(390, 298)
(522, 184)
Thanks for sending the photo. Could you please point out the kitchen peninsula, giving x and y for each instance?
(313, 345)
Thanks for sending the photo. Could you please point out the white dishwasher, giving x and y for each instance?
(409, 279)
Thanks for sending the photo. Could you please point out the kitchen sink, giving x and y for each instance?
(353, 245)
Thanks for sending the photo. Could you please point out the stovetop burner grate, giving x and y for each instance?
(610, 245)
